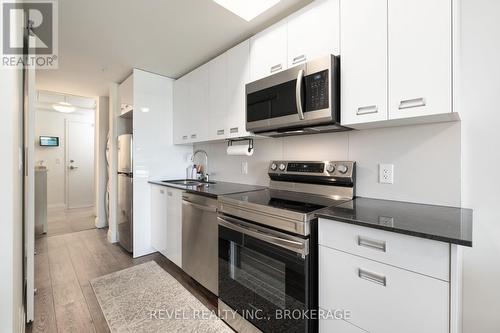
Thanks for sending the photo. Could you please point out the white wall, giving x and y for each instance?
(155, 156)
(480, 91)
(101, 170)
(53, 124)
(426, 160)
(11, 264)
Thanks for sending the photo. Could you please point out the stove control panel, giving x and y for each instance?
(330, 169)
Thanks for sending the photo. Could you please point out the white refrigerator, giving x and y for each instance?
(125, 192)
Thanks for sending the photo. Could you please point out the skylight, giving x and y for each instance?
(248, 10)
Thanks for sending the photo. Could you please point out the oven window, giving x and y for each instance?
(260, 281)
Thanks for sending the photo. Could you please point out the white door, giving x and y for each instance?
(181, 132)
(80, 164)
(159, 218)
(363, 72)
(174, 226)
(419, 52)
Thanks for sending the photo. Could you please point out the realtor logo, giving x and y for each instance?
(32, 21)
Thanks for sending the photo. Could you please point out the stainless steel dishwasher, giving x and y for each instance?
(200, 239)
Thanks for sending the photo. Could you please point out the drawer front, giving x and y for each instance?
(338, 326)
(382, 298)
(420, 255)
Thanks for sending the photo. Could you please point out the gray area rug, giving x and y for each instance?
(145, 298)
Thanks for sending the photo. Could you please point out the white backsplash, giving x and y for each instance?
(426, 160)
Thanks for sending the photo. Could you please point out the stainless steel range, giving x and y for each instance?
(268, 245)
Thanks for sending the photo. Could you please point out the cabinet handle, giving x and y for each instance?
(220, 132)
(372, 243)
(372, 277)
(233, 130)
(412, 103)
(184, 137)
(298, 59)
(162, 191)
(193, 136)
(367, 110)
(169, 194)
(276, 68)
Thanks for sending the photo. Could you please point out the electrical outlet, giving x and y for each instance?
(386, 174)
(244, 168)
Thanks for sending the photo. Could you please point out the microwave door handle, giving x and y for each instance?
(298, 94)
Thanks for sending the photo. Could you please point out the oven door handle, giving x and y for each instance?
(300, 246)
(298, 94)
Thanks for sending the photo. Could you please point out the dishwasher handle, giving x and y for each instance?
(211, 209)
(295, 244)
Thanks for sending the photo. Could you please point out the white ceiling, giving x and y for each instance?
(100, 41)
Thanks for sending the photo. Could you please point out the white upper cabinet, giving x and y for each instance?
(420, 63)
(268, 51)
(217, 98)
(181, 130)
(313, 32)
(363, 66)
(197, 104)
(238, 75)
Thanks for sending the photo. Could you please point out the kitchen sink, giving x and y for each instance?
(188, 182)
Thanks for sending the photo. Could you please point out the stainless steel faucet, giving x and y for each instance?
(206, 175)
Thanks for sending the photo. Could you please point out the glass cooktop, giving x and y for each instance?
(287, 200)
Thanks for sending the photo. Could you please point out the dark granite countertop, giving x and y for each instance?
(212, 190)
(442, 223)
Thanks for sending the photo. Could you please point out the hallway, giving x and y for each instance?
(64, 265)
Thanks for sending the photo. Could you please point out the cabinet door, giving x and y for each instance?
(197, 104)
(181, 133)
(382, 298)
(313, 31)
(238, 71)
(419, 57)
(174, 226)
(268, 51)
(363, 72)
(218, 98)
(159, 218)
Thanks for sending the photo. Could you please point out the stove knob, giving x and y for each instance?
(330, 168)
(274, 166)
(282, 167)
(342, 168)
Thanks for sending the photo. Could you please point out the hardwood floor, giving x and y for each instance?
(64, 265)
(64, 221)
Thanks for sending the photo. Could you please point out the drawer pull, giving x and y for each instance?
(169, 194)
(372, 277)
(220, 132)
(193, 136)
(412, 103)
(298, 59)
(184, 137)
(233, 130)
(276, 68)
(372, 244)
(162, 191)
(367, 110)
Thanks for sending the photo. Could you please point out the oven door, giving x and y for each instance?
(303, 95)
(265, 276)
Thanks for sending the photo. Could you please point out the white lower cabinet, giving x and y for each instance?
(174, 226)
(159, 218)
(382, 298)
(166, 222)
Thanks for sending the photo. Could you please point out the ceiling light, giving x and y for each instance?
(63, 107)
(145, 110)
(246, 9)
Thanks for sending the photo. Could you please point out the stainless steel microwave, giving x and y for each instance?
(304, 99)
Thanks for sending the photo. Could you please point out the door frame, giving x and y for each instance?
(66, 156)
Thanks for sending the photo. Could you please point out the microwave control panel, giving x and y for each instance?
(317, 91)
